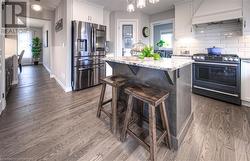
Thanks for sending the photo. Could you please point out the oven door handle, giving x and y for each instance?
(221, 64)
(212, 90)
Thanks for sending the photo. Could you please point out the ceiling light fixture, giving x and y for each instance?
(153, 1)
(36, 6)
(131, 7)
(141, 3)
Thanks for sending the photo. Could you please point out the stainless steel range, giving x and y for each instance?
(217, 76)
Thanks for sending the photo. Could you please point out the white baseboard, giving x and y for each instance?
(246, 103)
(3, 106)
(66, 89)
(15, 82)
(46, 68)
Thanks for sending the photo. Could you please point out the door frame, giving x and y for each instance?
(2, 47)
(161, 22)
(118, 31)
(2, 88)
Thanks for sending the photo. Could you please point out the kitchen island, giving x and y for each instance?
(171, 74)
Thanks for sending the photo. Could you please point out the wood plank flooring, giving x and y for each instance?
(42, 123)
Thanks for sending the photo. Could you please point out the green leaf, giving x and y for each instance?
(157, 56)
(36, 47)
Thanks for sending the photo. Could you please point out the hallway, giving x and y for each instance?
(42, 122)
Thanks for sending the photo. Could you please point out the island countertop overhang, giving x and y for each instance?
(165, 64)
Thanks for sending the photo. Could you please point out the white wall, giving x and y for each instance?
(47, 51)
(143, 21)
(44, 14)
(170, 14)
(217, 35)
(61, 59)
(106, 22)
(10, 46)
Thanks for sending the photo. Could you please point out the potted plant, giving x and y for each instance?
(36, 49)
(160, 44)
(148, 54)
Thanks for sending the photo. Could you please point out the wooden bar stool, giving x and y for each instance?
(116, 82)
(153, 98)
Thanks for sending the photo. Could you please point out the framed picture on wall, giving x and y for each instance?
(46, 40)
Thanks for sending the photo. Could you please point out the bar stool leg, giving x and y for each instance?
(164, 118)
(127, 118)
(152, 133)
(101, 100)
(114, 109)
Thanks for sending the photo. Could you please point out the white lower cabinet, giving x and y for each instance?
(245, 82)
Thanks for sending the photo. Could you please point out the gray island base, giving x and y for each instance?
(172, 75)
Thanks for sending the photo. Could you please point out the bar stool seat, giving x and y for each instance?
(116, 82)
(154, 98)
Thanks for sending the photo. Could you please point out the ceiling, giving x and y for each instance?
(31, 22)
(47, 4)
(120, 5)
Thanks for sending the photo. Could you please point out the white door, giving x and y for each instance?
(127, 35)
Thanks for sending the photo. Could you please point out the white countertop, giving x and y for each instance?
(166, 64)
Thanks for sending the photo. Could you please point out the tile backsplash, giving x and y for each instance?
(226, 35)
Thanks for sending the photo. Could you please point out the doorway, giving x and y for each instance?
(127, 35)
(162, 38)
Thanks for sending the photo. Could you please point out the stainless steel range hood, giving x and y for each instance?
(217, 10)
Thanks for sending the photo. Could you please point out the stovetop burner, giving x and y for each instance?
(224, 58)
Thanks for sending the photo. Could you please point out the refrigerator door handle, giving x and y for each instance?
(81, 69)
(94, 34)
(93, 39)
(81, 59)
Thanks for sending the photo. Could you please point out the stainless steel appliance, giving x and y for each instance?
(88, 47)
(217, 76)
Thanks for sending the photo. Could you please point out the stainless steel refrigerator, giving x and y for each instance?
(88, 47)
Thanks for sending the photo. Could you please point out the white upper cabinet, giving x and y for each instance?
(245, 78)
(88, 12)
(183, 19)
(246, 17)
(218, 10)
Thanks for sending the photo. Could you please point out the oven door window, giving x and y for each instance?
(225, 75)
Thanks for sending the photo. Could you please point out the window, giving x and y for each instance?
(168, 39)
(24, 43)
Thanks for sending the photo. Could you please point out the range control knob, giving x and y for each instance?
(225, 58)
(231, 59)
(236, 59)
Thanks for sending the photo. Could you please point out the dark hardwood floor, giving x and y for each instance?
(44, 123)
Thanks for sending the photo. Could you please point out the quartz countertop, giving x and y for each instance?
(166, 64)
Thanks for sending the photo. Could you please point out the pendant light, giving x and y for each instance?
(153, 1)
(131, 6)
(141, 3)
(37, 6)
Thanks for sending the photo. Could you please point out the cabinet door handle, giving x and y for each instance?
(245, 24)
